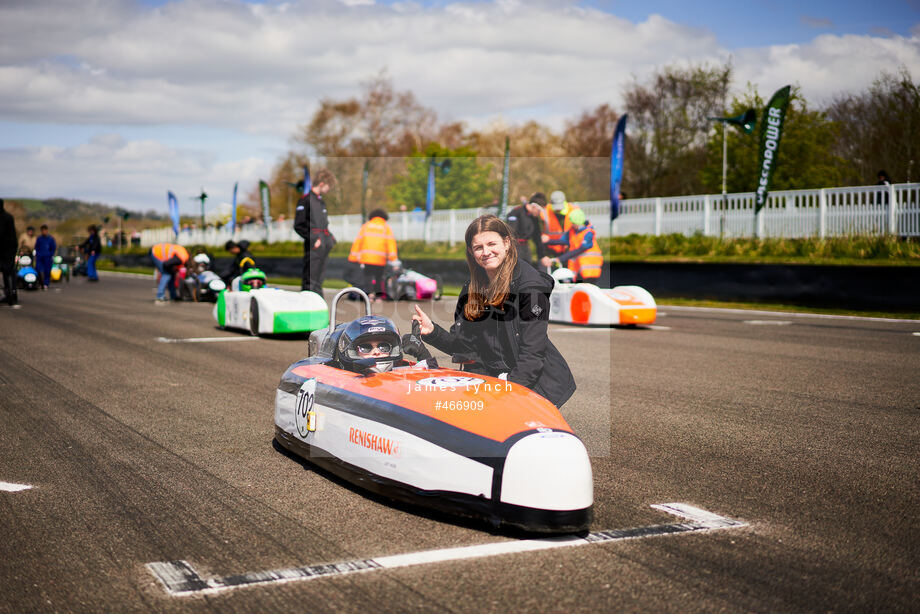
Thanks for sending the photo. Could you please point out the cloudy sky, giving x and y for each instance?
(118, 101)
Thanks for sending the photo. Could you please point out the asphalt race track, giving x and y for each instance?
(140, 450)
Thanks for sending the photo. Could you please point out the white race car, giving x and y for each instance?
(249, 305)
(580, 303)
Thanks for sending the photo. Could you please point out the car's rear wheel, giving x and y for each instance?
(254, 317)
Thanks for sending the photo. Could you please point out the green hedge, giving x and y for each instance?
(672, 247)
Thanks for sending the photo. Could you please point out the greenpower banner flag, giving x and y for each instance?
(503, 207)
(771, 130)
(266, 205)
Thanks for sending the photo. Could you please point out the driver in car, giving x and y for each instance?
(370, 337)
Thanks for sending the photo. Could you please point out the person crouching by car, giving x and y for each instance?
(167, 257)
(502, 316)
(583, 256)
(242, 260)
(373, 248)
(525, 222)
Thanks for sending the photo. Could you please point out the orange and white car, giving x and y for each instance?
(461, 443)
(587, 304)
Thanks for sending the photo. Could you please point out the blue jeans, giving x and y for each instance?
(165, 280)
(43, 265)
(91, 267)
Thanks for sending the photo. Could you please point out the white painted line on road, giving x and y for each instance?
(205, 339)
(794, 314)
(180, 579)
(916, 334)
(10, 487)
(768, 322)
(658, 327)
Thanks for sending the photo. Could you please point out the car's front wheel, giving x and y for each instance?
(254, 316)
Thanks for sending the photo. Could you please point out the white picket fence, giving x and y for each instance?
(826, 212)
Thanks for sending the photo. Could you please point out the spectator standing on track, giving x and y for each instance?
(311, 222)
(8, 247)
(45, 248)
(525, 222)
(27, 241)
(92, 247)
(583, 255)
(167, 257)
(502, 316)
(373, 248)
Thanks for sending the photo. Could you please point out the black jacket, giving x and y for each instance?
(92, 245)
(311, 222)
(526, 228)
(512, 338)
(8, 240)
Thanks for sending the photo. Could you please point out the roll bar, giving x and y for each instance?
(340, 294)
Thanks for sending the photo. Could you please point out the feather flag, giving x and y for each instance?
(506, 168)
(616, 166)
(173, 211)
(266, 194)
(429, 194)
(233, 211)
(771, 131)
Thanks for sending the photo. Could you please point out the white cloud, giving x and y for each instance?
(260, 70)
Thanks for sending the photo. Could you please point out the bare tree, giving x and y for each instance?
(668, 128)
(880, 129)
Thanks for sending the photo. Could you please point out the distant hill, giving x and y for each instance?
(61, 209)
(68, 219)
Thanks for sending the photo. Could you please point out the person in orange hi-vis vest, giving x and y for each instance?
(167, 257)
(582, 255)
(556, 221)
(373, 248)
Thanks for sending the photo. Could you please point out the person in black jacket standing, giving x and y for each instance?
(312, 223)
(92, 247)
(525, 222)
(8, 246)
(502, 316)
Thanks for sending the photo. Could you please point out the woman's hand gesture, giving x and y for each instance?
(425, 323)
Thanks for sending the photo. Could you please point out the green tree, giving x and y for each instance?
(463, 183)
(806, 153)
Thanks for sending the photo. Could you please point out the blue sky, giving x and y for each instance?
(120, 100)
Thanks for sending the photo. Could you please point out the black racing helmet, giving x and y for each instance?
(365, 332)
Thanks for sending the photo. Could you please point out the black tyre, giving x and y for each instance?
(440, 291)
(254, 317)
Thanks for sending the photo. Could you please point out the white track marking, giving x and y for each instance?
(786, 314)
(916, 334)
(10, 487)
(205, 339)
(658, 327)
(768, 322)
(180, 579)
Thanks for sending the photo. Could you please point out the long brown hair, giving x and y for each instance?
(481, 291)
